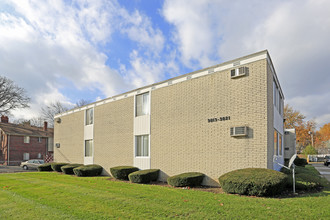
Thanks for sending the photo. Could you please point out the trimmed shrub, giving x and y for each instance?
(144, 176)
(307, 178)
(45, 167)
(253, 182)
(88, 170)
(186, 179)
(122, 172)
(68, 169)
(300, 161)
(57, 166)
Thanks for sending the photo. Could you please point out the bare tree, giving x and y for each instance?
(82, 102)
(38, 122)
(48, 112)
(11, 96)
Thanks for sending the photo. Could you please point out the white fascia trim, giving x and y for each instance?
(221, 67)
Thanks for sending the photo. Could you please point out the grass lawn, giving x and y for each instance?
(58, 196)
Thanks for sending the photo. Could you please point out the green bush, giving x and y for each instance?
(68, 169)
(45, 167)
(122, 172)
(309, 150)
(300, 161)
(307, 178)
(186, 179)
(253, 182)
(144, 176)
(57, 166)
(88, 170)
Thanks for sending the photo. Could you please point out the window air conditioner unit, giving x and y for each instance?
(238, 131)
(241, 71)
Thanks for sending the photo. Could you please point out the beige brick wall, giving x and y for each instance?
(182, 140)
(113, 133)
(70, 134)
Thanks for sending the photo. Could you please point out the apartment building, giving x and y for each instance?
(215, 120)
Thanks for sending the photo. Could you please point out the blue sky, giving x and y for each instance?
(92, 49)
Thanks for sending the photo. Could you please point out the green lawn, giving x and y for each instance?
(59, 196)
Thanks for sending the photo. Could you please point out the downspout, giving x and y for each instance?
(8, 149)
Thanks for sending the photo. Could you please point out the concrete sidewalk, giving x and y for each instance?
(323, 170)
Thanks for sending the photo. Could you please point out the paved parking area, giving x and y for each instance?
(323, 170)
(13, 169)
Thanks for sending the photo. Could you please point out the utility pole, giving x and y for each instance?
(311, 133)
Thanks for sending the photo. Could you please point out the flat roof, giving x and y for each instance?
(196, 74)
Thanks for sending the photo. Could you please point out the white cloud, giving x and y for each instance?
(296, 33)
(44, 43)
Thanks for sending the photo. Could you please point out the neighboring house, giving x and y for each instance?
(215, 120)
(289, 143)
(20, 142)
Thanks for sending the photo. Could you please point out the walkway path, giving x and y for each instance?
(323, 170)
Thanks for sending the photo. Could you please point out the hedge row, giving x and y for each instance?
(77, 169)
(68, 169)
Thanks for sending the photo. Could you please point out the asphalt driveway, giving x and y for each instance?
(13, 169)
(323, 170)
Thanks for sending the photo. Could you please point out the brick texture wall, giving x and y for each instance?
(182, 140)
(70, 134)
(17, 148)
(113, 134)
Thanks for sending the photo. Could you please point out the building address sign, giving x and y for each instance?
(218, 119)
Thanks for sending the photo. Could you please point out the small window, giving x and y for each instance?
(275, 143)
(142, 146)
(39, 139)
(280, 144)
(89, 116)
(88, 148)
(142, 104)
(26, 156)
(39, 156)
(26, 139)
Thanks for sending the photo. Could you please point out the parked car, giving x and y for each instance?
(31, 164)
(326, 160)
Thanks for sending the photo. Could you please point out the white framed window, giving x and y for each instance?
(88, 148)
(26, 139)
(279, 144)
(39, 155)
(89, 116)
(26, 156)
(275, 142)
(142, 146)
(142, 104)
(39, 139)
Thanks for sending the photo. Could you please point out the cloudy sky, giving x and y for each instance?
(81, 49)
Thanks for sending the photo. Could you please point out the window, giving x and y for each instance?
(142, 146)
(39, 139)
(88, 148)
(142, 104)
(280, 144)
(26, 139)
(89, 116)
(275, 143)
(39, 156)
(26, 156)
(274, 93)
(50, 144)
